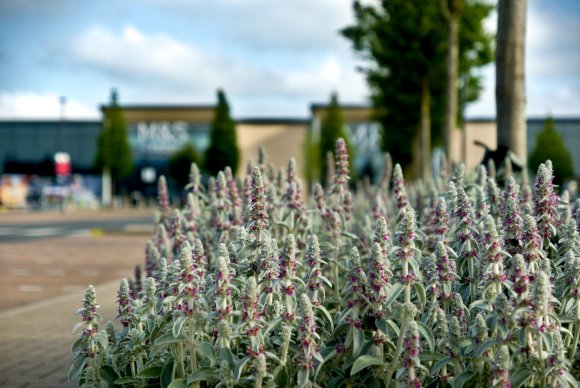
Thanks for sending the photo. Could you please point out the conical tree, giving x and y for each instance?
(180, 164)
(549, 145)
(332, 128)
(223, 148)
(113, 151)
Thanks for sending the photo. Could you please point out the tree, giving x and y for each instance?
(332, 128)
(180, 164)
(113, 151)
(405, 43)
(223, 144)
(510, 94)
(549, 145)
(451, 10)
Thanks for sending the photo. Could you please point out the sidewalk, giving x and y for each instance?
(36, 340)
(42, 284)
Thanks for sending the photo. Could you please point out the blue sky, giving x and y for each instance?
(273, 58)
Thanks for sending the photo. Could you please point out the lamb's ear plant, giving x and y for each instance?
(251, 284)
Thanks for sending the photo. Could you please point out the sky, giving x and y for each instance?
(273, 58)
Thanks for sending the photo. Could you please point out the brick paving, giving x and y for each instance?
(46, 278)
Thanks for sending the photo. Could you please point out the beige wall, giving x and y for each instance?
(281, 141)
(485, 132)
(190, 114)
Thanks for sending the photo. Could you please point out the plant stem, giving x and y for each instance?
(397, 353)
(473, 289)
(575, 341)
(258, 383)
(542, 366)
(181, 360)
(336, 276)
(408, 286)
(191, 346)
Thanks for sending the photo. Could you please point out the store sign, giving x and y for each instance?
(62, 165)
(161, 137)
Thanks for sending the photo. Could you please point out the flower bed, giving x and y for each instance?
(459, 282)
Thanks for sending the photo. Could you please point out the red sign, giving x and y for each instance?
(62, 164)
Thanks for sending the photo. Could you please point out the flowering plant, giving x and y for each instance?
(396, 285)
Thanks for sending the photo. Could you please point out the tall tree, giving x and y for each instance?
(223, 148)
(510, 94)
(451, 10)
(331, 128)
(114, 157)
(405, 45)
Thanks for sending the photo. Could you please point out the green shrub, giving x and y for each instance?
(549, 145)
(180, 164)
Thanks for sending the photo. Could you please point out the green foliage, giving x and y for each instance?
(113, 150)
(549, 145)
(306, 292)
(223, 148)
(404, 42)
(332, 128)
(180, 164)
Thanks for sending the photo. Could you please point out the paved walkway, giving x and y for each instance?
(36, 340)
(46, 279)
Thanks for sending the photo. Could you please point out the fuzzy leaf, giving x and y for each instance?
(520, 377)
(415, 265)
(428, 355)
(178, 383)
(364, 362)
(239, 369)
(358, 340)
(439, 364)
(427, 334)
(126, 380)
(569, 378)
(281, 378)
(177, 325)
(108, 375)
(76, 368)
(381, 324)
(167, 374)
(203, 374)
(484, 347)
(394, 292)
(302, 378)
(227, 355)
(151, 372)
(77, 344)
(420, 290)
(327, 316)
(168, 338)
(207, 350)
(480, 304)
(463, 378)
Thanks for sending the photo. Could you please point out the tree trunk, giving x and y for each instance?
(451, 86)
(425, 131)
(510, 78)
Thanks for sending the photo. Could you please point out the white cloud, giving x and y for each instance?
(46, 105)
(167, 66)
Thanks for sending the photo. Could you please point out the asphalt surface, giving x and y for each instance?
(12, 232)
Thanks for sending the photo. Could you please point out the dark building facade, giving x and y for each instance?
(28, 147)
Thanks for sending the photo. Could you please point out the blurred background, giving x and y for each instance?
(147, 72)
